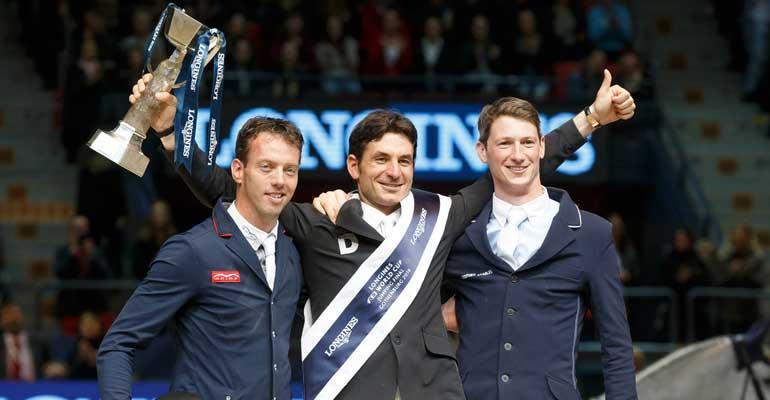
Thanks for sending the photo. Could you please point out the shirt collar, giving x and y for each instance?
(254, 235)
(532, 209)
(374, 217)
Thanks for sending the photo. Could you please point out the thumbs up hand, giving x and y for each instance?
(612, 102)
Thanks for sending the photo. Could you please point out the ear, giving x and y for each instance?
(542, 147)
(236, 168)
(353, 171)
(481, 150)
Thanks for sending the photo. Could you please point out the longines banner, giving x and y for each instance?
(85, 390)
(447, 134)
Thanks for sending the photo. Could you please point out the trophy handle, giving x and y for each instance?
(149, 67)
(178, 85)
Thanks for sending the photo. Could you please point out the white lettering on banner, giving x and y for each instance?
(452, 136)
(212, 139)
(196, 67)
(388, 281)
(420, 227)
(220, 75)
(187, 132)
(342, 338)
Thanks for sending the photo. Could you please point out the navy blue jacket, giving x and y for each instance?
(232, 337)
(519, 330)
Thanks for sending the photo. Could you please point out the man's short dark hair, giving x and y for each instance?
(259, 125)
(510, 107)
(375, 125)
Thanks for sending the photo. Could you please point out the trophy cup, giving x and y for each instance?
(123, 144)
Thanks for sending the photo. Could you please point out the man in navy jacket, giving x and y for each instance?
(230, 285)
(525, 271)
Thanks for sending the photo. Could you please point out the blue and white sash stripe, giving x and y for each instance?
(375, 298)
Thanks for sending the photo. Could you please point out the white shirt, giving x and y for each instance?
(540, 213)
(21, 354)
(257, 237)
(378, 220)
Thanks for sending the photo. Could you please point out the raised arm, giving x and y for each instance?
(207, 183)
(612, 103)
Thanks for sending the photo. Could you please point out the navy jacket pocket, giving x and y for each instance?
(561, 390)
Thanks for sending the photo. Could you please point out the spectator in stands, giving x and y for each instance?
(158, 228)
(609, 27)
(90, 333)
(74, 357)
(294, 45)
(389, 52)
(683, 270)
(566, 29)
(443, 10)
(2, 252)
(80, 259)
(755, 38)
(530, 59)
(584, 82)
(740, 267)
(82, 95)
(481, 55)
(434, 54)
(741, 263)
(240, 71)
(134, 62)
(707, 252)
(630, 75)
(627, 254)
(288, 84)
(337, 58)
(237, 27)
(17, 357)
(141, 28)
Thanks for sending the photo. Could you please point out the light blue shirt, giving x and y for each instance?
(540, 213)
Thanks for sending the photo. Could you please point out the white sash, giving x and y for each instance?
(390, 289)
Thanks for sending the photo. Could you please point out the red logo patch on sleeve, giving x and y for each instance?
(232, 276)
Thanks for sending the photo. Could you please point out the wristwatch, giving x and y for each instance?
(591, 119)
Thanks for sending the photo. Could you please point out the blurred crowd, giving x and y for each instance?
(538, 50)
(746, 26)
(71, 321)
(742, 261)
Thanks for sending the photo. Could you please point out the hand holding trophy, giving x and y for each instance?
(122, 145)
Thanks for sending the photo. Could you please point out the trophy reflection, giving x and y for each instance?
(123, 145)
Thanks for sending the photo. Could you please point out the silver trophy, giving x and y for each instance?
(123, 145)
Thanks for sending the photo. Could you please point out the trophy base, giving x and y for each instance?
(123, 146)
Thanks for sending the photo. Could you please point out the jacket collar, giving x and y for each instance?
(561, 233)
(225, 228)
(351, 218)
